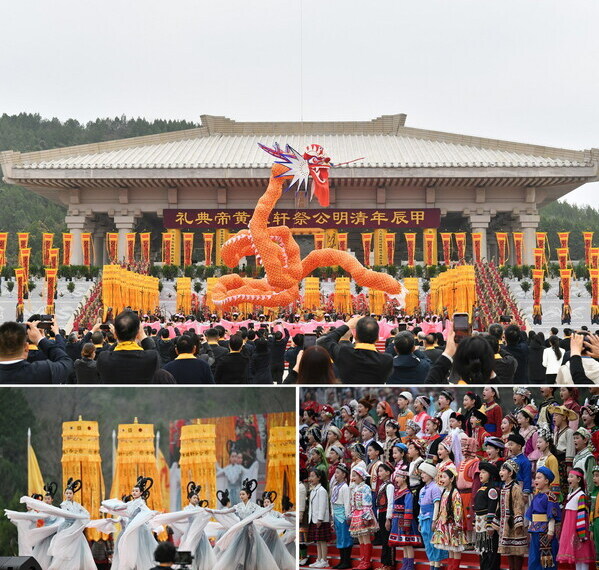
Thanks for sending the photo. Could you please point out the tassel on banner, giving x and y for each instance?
(367, 245)
(20, 279)
(411, 246)
(518, 246)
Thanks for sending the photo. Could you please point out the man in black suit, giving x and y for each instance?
(15, 339)
(232, 368)
(186, 368)
(134, 359)
(360, 363)
(165, 346)
(218, 351)
(277, 344)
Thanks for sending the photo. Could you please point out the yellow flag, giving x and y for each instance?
(35, 481)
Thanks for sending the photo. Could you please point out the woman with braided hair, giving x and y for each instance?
(191, 523)
(134, 548)
(242, 547)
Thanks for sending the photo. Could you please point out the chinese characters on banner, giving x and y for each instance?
(329, 219)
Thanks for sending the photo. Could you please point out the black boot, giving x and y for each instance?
(346, 558)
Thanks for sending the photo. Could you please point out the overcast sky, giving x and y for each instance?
(521, 70)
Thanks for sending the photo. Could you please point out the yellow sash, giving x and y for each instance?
(127, 345)
(365, 346)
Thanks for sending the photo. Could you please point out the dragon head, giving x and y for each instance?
(313, 164)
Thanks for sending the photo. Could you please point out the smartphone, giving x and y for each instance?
(104, 327)
(461, 326)
(309, 340)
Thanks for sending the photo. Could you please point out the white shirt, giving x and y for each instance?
(319, 505)
(551, 362)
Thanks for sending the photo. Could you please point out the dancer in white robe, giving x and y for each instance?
(242, 547)
(192, 522)
(25, 523)
(271, 525)
(134, 548)
(68, 549)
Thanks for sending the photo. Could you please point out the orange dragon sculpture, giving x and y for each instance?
(276, 248)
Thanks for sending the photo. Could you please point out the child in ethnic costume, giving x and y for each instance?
(513, 541)
(363, 523)
(404, 531)
(319, 526)
(429, 499)
(543, 514)
(485, 521)
(384, 504)
(342, 515)
(575, 545)
(448, 525)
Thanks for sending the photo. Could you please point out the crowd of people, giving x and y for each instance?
(450, 471)
(248, 534)
(362, 350)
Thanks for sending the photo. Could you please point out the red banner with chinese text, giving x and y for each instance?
(208, 244)
(54, 257)
(342, 240)
(562, 257)
(446, 243)
(167, 248)
(47, 241)
(112, 246)
(25, 259)
(594, 274)
(502, 247)
(518, 245)
(411, 245)
(233, 219)
(21, 285)
(565, 277)
(187, 247)
(539, 257)
(130, 237)
(390, 242)
(543, 244)
(564, 238)
(144, 241)
(460, 242)
(51, 277)
(23, 239)
(86, 248)
(3, 244)
(477, 238)
(537, 279)
(594, 257)
(588, 243)
(67, 240)
(367, 245)
(429, 248)
(319, 240)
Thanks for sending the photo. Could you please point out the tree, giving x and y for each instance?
(10, 285)
(197, 287)
(426, 286)
(71, 287)
(546, 286)
(525, 286)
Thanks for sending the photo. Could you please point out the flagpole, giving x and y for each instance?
(157, 444)
(28, 448)
(113, 453)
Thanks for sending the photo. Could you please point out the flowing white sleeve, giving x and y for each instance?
(52, 510)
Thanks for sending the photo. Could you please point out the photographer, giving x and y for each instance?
(15, 339)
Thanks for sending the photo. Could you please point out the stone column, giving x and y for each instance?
(76, 224)
(529, 224)
(480, 223)
(124, 225)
